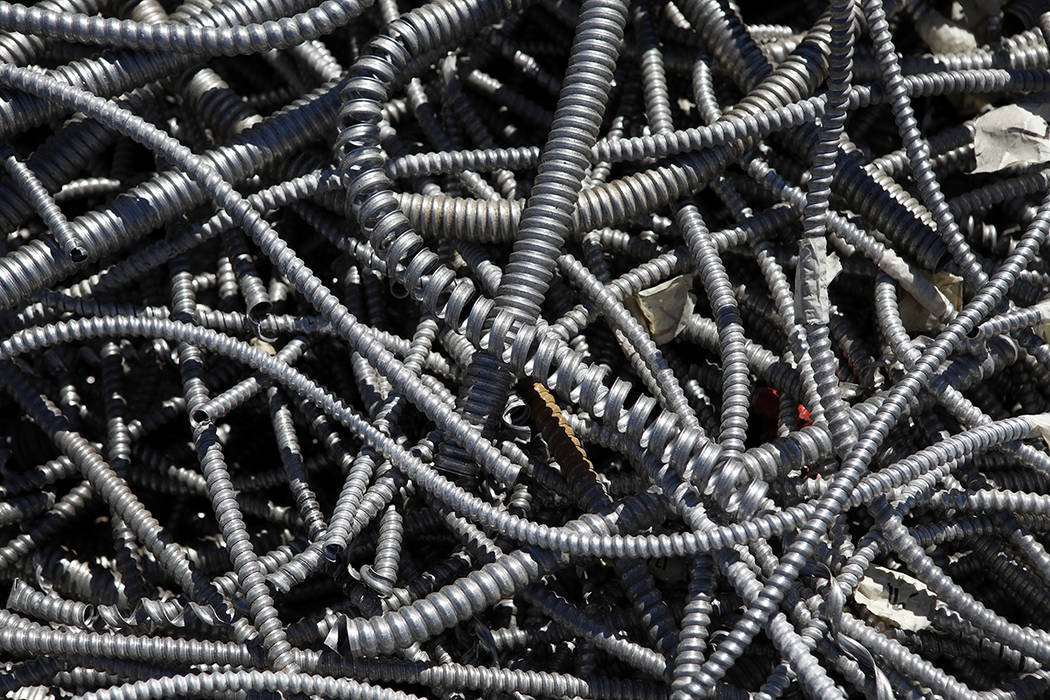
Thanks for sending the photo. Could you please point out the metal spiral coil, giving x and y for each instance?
(496, 348)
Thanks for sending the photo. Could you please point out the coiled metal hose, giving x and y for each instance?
(507, 349)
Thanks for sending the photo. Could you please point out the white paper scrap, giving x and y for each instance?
(664, 309)
(1040, 422)
(944, 35)
(896, 598)
(1015, 134)
(813, 274)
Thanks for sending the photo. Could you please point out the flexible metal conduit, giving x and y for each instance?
(616, 349)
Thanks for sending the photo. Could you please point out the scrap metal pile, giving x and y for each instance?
(525, 349)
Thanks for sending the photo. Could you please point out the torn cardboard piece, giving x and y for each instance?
(895, 598)
(1017, 134)
(262, 345)
(917, 318)
(665, 309)
(918, 286)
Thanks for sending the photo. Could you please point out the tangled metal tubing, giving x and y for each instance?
(513, 349)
